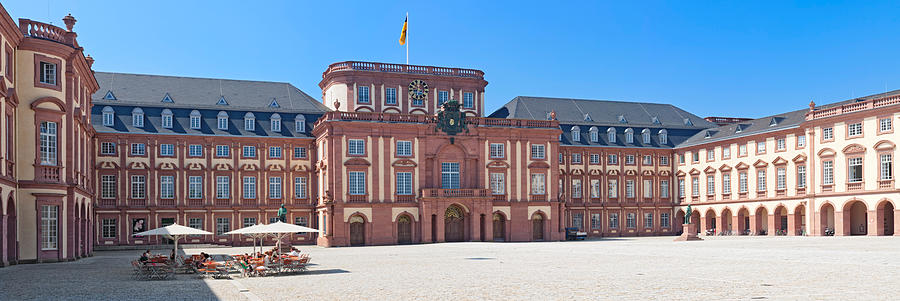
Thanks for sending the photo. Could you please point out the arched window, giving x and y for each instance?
(663, 136)
(222, 120)
(167, 119)
(195, 119)
(300, 123)
(611, 135)
(137, 117)
(276, 122)
(595, 134)
(249, 122)
(645, 136)
(109, 116)
(629, 135)
(576, 134)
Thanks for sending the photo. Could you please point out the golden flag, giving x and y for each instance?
(403, 33)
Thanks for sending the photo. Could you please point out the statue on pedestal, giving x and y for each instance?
(687, 216)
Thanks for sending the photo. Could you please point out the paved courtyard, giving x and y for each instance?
(626, 268)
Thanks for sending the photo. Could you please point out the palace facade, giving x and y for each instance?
(396, 154)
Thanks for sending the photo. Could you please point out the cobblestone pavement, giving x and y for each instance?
(729, 268)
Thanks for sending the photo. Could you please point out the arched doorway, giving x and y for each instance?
(743, 220)
(12, 246)
(454, 224)
(781, 220)
(826, 220)
(710, 222)
(855, 217)
(357, 231)
(885, 218)
(762, 221)
(537, 226)
(727, 226)
(799, 220)
(499, 227)
(679, 222)
(404, 229)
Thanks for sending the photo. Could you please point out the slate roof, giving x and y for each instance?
(123, 122)
(202, 93)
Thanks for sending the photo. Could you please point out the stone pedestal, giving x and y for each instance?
(689, 233)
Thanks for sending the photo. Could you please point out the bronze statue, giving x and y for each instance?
(687, 216)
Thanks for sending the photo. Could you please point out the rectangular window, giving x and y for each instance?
(109, 228)
(854, 129)
(612, 186)
(576, 188)
(49, 227)
(167, 150)
(299, 153)
(664, 161)
(167, 121)
(595, 158)
(801, 176)
(648, 220)
(450, 175)
(300, 187)
(726, 183)
(664, 220)
(612, 159)
(498, 183)
(596, 222)
(780, 178)
(578, 220)
(356, 147)
(442, 97)
(249, 221)
(274, 187)
(275, 125)
(828, 133)
(48, 143)
(630, 222)
(404, 148)
(195, 122)
(222, 151)
(801, 141)
(629, 159)
(742, 150)
(561, 160)
(648, 189)
(742, 182)
(664, 189)
(138, 188)
(249, 187)
(390, 96)
(885, 125)
(695, 186)
(249, 151)
(166, 187)
(695, 156)
(222, 122)
(726, 152)
(195, 150)
(761, 180)
(196, 223)
(223, 187)
(648, 160)
(468, 100)
(138, 149)
(137, 119)
(537, 151)
(497, 150)
(357, 183)
(404, 183)
(710, 184)
(274, 152)
(760, 147)
(681, 192)
(362, 94)
(108, 186)
(538, 182)
(223, 225)
(887, 169)
(710, 155)
(855, 170)
(828, 172)
(613, 220)
(576, 158)
(107, 148)
(48, 73)
(780, 144)
(301, 221)
(595, 188)
(681, 159)
(195, 187)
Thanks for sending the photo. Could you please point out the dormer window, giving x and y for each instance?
(195, 119)
(222, 120)
(587, 117)
(645, 136)
(576, 134)
(663, 136)
(167, 99)
(739, 128)
(167, 119)
(629, 135)
(622, 119)
(222, 101)
(655, 120)
(109, 116)
(688, 122)
(611, 135)
(274, 104)
(137, 117)
(276, 122)
(595, 134)
(249, 122)
(774, 121)
(109, 95)
(300, 123)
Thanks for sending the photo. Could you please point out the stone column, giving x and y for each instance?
(4, 248)
(872, 228)
(753, 222)
(839, 224)
(896, 222)
(771, 222)
(735, 224)
(792, 225)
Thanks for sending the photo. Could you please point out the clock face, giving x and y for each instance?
(418, 90)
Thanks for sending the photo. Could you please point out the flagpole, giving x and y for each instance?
(407, 38)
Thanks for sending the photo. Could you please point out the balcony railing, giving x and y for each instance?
(537, 197)
(426, 119)
(456, 193)
(885, 184)
(405, 198)
(854, 186)
(499, 197)
(167, 202)
(400, 68)
(138, 202)
(223, 202)
(355, 198)
(107, 203)
(48, 174)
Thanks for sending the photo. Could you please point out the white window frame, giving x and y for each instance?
(249, 187)
(497, 150)
(404, 148)
(195, 187)
(275, 188)
(390, 96)
(356, 147)
(538, 151)
(223, 187)
(166, 187)
(404, 183)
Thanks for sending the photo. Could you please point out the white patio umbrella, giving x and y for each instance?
(176, 231)
(255, 231)
(281, 229)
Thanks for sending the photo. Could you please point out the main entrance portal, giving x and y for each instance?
(454, 224)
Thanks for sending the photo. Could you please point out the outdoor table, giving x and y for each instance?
(157, 271)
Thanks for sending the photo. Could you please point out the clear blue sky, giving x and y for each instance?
(739, 58)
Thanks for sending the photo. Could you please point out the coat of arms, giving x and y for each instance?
(450, 119)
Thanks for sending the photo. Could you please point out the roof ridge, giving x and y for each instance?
(191, 77)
